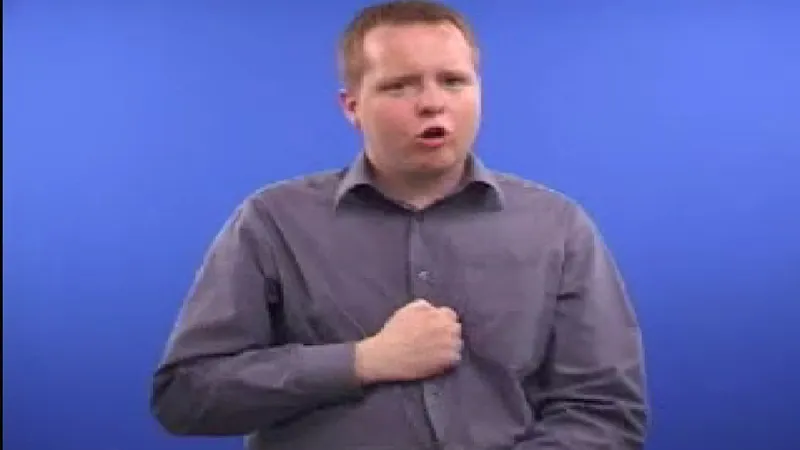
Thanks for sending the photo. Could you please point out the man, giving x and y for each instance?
(415, 300)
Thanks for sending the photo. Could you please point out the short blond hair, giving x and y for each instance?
(351, 61)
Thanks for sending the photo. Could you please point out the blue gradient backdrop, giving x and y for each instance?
(132, 128)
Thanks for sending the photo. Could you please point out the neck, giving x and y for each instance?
(419, 190)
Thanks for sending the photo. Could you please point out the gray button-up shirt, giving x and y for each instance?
(264, 343)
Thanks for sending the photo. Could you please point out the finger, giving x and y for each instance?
(449, 313)
(420, 302)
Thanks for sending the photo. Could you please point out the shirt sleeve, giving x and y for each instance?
(224, 371)
(590, 394)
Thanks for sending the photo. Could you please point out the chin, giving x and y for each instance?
(438, 163)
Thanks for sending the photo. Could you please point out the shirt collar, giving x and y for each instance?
(358, 174)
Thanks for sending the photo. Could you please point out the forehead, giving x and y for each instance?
(390, 48)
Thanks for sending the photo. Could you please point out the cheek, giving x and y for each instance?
(388, 119)
(468, 115)
(474, 105)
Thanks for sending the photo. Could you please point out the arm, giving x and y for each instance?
(590, 393)
(222, 373)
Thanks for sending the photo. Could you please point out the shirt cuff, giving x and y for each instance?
(330, 370)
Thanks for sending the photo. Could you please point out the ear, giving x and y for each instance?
(349, 105)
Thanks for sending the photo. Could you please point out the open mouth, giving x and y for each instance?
(434, 136)
(435, 132)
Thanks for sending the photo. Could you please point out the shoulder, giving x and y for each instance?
(304, 190)
(256, 217)
(258, 211)
(552, 209)
(546, 204)
(536, 197)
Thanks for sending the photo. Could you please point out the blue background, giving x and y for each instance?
(133, 128)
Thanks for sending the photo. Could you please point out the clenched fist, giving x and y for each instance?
(418, 341)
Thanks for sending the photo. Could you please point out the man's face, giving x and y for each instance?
(418, 79)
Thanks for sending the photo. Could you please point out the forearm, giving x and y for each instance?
(579, 428)
(592, 412)
(224, 372)
(235, 395)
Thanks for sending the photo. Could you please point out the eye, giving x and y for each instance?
(455, 81)
(393, 86)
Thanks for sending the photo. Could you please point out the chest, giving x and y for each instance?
(342, 279)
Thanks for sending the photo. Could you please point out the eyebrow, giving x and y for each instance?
(405, 78)
(412, 77)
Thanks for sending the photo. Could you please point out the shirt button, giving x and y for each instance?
(424, 275)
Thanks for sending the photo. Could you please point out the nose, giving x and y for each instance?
(431, 101)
